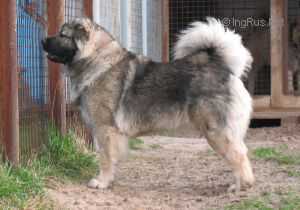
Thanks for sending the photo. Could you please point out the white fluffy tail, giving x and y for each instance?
(226, 44)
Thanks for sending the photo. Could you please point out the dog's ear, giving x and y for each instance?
(81, 32)
(105, 38)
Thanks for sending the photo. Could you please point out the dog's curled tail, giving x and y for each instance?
(214, 38)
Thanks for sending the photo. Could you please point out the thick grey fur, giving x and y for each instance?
(122, 95)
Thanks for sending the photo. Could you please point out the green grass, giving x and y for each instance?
(293, 173)
(281, 157)
(18, 185)
(23, 187)
(291, 201)
(289, 160)
(62, 158)
(253, 204)
(135, 143)
(287, 201)
(155, 146)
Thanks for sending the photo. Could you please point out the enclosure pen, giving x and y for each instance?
(168, 134)
(232, 13)
(33, 92)
(275, 75)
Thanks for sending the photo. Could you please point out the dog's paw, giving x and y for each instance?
(234, 188)
(96, 184)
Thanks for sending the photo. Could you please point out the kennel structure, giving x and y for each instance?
(272, 86)
(34, 94)
(152, 27)
(33, 91)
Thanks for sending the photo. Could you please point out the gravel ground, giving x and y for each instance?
(183, 173)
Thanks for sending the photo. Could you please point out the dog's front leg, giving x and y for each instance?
(113, 147)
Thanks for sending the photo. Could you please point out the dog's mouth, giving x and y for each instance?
(57, 54)
(57, 59)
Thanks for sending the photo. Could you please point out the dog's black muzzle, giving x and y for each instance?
(60, 49)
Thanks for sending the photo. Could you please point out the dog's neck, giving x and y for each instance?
(84, 72)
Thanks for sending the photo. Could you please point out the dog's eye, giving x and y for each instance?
(64, 34)
(80, 27)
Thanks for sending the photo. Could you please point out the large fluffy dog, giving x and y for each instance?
(122, 95)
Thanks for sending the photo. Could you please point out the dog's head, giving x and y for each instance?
(75, 40)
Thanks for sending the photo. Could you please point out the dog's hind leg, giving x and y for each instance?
(225, 135)
(235, 152)
(113, 146)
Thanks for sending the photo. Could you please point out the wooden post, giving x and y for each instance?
(9, 83)
(165, 31)
(278, 50)
(88, 8)
(57, 106)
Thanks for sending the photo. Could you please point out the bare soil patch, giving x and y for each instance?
(184, 173)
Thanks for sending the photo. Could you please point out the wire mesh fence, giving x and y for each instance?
(135, 27)
(244, 16)
(36, 81)
(73, 9)
(109, 16)
(154, 26)
(32, 25)
(136, 24)
(293, 77)
(139, 26)
(32, 67)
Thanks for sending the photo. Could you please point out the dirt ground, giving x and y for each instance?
(183, 173)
